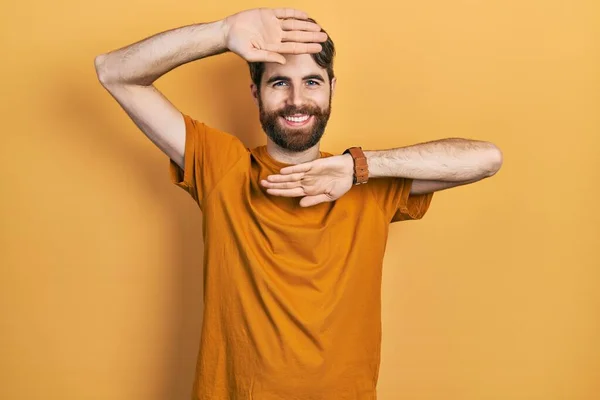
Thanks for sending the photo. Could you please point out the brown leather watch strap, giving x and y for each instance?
(361, 168)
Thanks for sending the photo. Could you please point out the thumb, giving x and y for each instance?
(308, 201)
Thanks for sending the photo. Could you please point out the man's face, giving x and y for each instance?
(295, 102)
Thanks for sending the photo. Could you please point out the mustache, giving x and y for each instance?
(305, 110)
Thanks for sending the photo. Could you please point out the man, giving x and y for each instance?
(294, 241)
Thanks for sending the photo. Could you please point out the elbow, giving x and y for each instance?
(493, 160)
(101, 69)
(99, 66)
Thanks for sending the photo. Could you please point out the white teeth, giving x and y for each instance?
(297, 119)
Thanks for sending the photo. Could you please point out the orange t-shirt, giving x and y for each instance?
(292, 295)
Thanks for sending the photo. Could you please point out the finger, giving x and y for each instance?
(289, 177)
(293, 169)
(297, 25)
(281, 185)
(287, 192)
(294, 48)
(301, 36)
(265, 56)
(290, 13)
(314, 200)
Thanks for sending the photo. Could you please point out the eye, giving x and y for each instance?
(277, 83)
(313, 81)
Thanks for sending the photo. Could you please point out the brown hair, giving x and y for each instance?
(324, 59)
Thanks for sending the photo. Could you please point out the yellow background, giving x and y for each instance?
(493, 295)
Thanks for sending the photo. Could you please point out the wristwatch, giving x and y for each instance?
(361, 168)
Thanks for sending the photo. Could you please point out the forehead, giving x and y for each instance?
(296, 66)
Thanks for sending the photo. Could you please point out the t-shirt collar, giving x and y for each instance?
(264, 156)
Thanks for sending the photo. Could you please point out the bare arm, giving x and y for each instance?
(437, 165)
(256, 35)
(432, 166)
(129, 73)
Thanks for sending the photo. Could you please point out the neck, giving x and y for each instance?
(292, 157)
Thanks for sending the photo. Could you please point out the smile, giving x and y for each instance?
(297, 120)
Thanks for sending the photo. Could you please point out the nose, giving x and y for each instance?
(296, 97)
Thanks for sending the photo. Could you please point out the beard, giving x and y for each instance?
(294, 139)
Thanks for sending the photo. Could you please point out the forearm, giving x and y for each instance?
(145, 61)
(452, 160)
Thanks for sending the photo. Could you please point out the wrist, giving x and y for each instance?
(371, 157)
(360, 166)
(223, 29)
(348, 165)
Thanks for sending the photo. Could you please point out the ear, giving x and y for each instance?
(254, 91)
(333, 81)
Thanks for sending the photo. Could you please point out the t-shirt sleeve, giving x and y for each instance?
(394, 198)
(209, 155)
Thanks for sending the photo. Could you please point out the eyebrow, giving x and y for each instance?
(316, 77)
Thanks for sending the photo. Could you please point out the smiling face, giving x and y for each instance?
(294, 101)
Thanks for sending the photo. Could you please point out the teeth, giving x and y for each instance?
(297, 119)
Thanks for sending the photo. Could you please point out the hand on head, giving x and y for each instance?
(265, 34)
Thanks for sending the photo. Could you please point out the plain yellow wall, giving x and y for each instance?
(493, 295)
